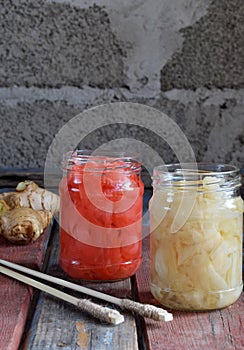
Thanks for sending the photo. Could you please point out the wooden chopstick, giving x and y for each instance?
(145, 310)
(101, 312)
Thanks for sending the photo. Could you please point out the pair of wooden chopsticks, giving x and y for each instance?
(101, 312)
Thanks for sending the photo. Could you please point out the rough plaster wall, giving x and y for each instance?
(185, 58)
(213, 51)
(50, 45)
(149, 32)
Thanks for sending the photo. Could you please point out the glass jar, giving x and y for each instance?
(101, 216)
(196, 220)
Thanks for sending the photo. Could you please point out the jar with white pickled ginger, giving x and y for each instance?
(196, 218)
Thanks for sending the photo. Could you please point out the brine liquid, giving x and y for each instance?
(199, 267)
(100, 239)
(87, 262)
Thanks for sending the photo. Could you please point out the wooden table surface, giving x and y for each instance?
(32, 320)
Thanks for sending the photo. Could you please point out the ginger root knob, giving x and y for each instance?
(24, 225)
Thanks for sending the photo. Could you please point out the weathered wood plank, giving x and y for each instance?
(57, 324)
(16, 297)
(10, 177)
(220, 330)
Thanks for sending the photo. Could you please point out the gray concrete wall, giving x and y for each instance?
(184, 57)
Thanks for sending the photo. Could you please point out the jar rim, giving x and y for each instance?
(197, 176)
(200, 168)
(105, 160)
(100, 153)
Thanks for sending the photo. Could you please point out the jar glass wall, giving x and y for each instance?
(101, 216)
(196, 236)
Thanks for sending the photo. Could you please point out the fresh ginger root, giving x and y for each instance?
(25, 214)
(24, 225)
(3, 207)
(29, 195)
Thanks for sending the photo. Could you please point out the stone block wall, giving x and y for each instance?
(183, 57)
